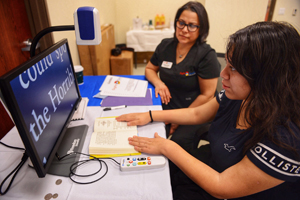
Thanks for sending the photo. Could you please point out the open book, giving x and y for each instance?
(110, 138)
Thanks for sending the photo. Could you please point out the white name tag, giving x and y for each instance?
(166, 64)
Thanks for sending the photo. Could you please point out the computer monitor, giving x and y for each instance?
(42, 95)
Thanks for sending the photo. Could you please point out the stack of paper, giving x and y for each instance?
(123, 87)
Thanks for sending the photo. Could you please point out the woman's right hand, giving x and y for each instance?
(133, 119)
(160, 87)
(164, 93)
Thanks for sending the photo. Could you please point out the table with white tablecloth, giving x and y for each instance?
(134, 185)
(145, 184)
(146, 40)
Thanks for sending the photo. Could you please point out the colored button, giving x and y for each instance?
(142, 163)
(149, 162)
(134, 164)
(148, 158)
(134, 159)
(130, 161)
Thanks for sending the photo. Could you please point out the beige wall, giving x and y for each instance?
(289, 6)
(146, 10)
(228, 16)
(117, 12)
(61, 13)
(225, 16)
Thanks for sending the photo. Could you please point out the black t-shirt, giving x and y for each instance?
(227, 145)
(182, 78)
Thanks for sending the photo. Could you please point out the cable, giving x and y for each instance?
(18, 148)
(73, 167)
(77, 164)
(15, 172)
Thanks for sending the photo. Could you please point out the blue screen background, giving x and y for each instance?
(36, 98)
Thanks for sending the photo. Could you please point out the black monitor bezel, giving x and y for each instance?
(14, 109)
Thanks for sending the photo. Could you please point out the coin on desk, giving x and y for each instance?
(58, 182)
(48, 196)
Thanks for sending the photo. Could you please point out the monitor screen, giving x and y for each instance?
(42, 95)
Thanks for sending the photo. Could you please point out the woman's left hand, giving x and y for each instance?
(173, 128)
(149, 145)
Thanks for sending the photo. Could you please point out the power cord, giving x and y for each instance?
(73, 167)
(15, 171)
(77, 164)
(18, 148)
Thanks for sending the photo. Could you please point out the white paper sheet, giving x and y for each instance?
(123, 87)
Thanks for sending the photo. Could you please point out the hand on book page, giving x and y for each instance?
(111, 137)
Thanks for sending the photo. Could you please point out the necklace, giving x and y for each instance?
(180, 55)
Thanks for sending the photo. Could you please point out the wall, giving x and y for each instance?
(61, 13)
(225, 17)
(289, 6)
(117, 12)
(144, 9)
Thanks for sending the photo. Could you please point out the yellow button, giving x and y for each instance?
(142, 163)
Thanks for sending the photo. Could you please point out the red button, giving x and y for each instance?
(149, 162)
(130, 161)
(148, 158)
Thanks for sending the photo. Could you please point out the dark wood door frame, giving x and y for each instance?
(38, 18)
(270, 10)
(37, 14)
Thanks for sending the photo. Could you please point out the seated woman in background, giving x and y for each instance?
(188, 68)
(255, 134)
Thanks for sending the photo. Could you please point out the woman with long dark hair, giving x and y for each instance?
(255, 134)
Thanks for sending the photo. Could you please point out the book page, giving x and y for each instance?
(106, 138)
(111, 137)
(111, 142)
(105, 124)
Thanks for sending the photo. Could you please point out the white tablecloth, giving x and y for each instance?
(147, 184)
(146, 40)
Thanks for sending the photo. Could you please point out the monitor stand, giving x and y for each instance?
(73, 140)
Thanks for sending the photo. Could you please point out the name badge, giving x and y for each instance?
(166, 64)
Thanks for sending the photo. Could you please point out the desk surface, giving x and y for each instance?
(91, 86)
(146, 184)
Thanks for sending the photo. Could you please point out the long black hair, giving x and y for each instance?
(199, 9)
(267, 54)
